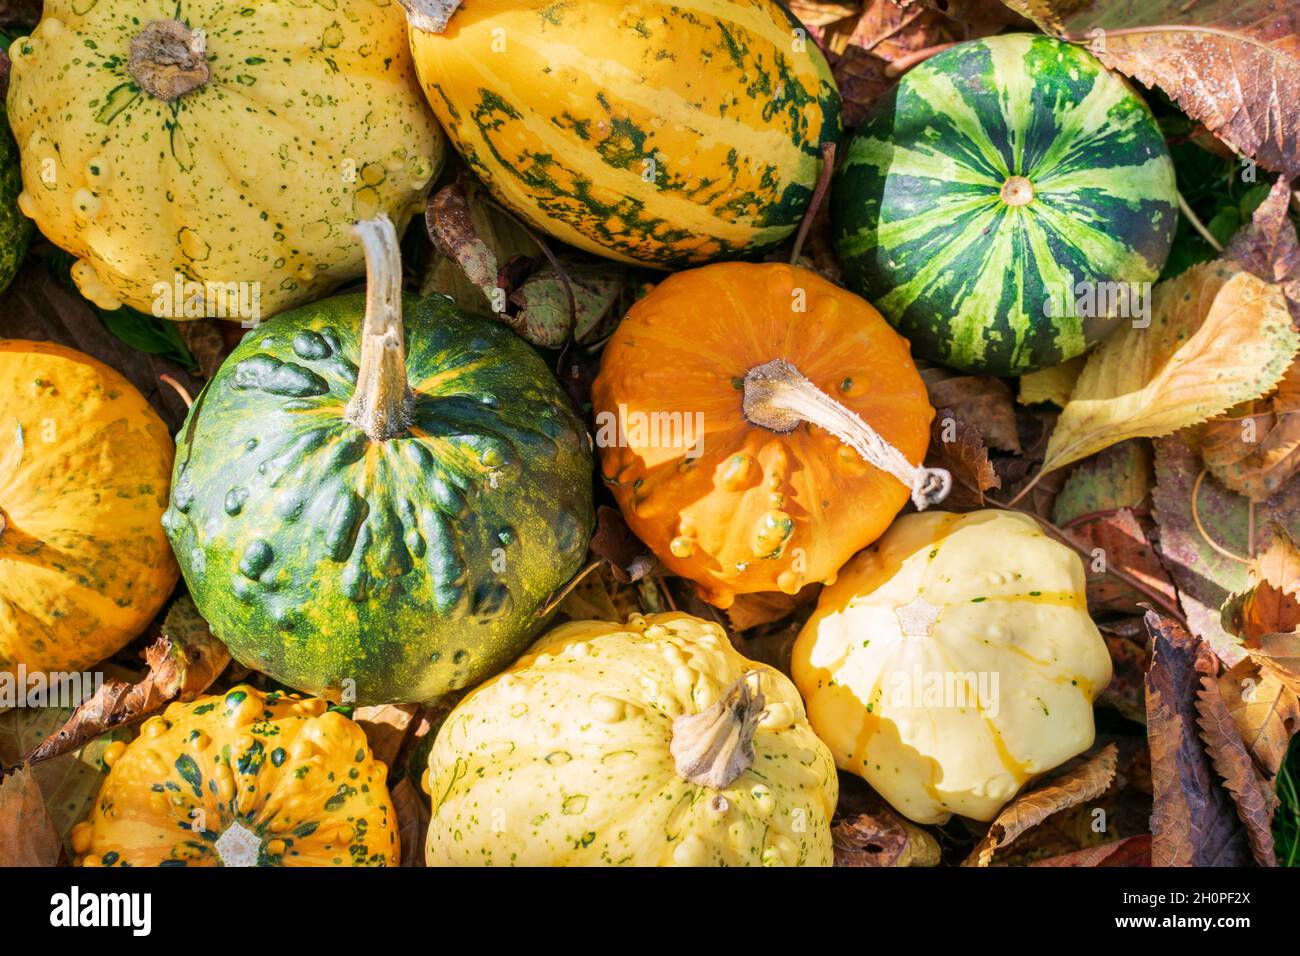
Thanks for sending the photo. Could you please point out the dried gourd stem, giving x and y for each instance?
(431, 16)
(381, 403)
(1197, 224)
(815, 204)
(715, 746)
(168, 59)
(1205, 536)
(779, 398)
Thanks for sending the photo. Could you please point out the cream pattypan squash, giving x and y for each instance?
(650, 743)
(953, 661)
(203, 158)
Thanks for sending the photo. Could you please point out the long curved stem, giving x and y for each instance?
(779, 398)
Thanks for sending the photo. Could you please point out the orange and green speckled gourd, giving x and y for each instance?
(224, 143)
(242, 779)
(658, 132)
(785, 382)
(85, 469)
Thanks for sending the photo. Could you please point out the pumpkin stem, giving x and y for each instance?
(431, 16)
(168, 59)
(715, 746)
(381, 403)
(779, 398)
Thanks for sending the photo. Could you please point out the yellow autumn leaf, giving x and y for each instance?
(1050, 384)
(1218, 336)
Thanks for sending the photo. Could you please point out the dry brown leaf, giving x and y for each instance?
(627, 556)
(1253, 796)
(753, 610)
(387, 727)
(1232, 64)
(27, 834)
(861, 79)
(1194, 820)
(1255, 449)
(1280, 655)
(956, 446)
(868, 832)
(1130, 851)
(1085, 782)
(1122, 539)
(888, 29)
(452, 229)
(1266, 712)
(1126, 691)
(985, 402)
(20, 13)
(1268, 246)
(412, 809)
(882, 839)
(206, 342)
(814, 13)
(183, 662)
(977, 18)
(863, 45)
(1218, 336)
(1266, 616)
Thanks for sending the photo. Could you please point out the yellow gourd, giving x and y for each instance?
(953, 661)
(229, 146)
(85, 471)
(650, 743)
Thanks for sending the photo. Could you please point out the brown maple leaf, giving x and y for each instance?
(183, 662)
(1087, 781)
(956, 445)
(1234, 65)
(1194, 820)
(1228, 753)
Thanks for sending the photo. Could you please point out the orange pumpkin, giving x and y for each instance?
(758, 425)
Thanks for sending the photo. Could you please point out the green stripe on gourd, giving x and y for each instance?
(994, 178)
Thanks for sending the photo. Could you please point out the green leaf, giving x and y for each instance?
(146, 333)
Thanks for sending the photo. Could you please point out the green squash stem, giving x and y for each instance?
(168, 59)
(779, 398)
(381, 403)
(715, 746)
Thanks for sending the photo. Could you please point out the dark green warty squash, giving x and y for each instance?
(379, 513)
(15, 228)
